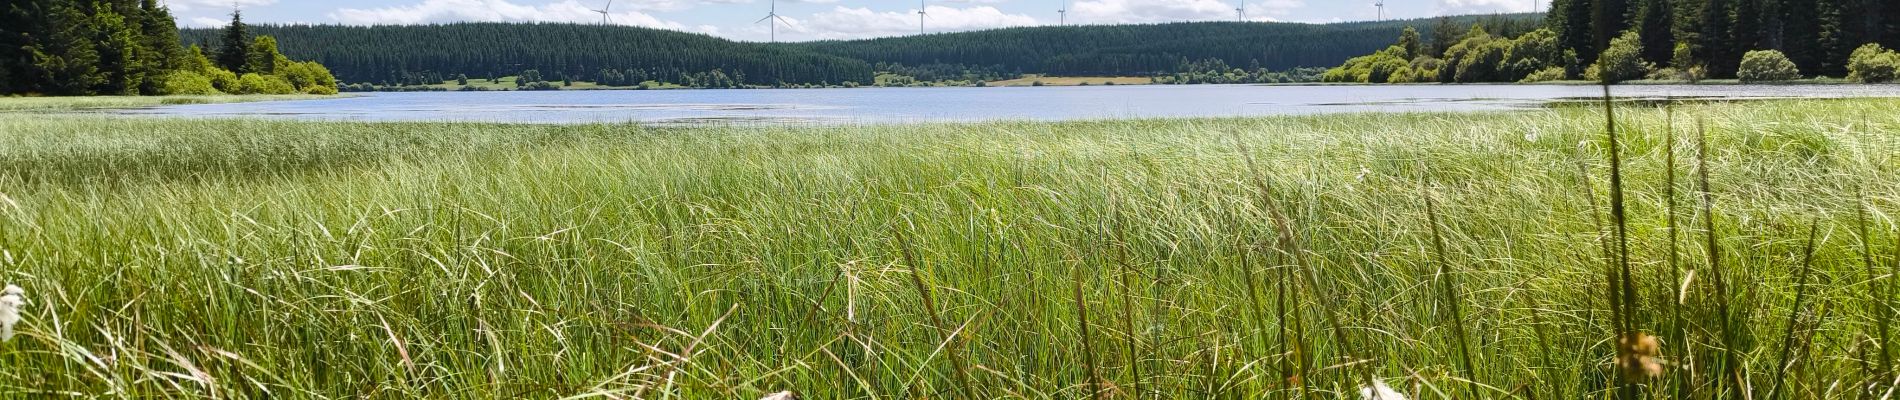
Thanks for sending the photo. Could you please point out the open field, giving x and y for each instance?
(1211, 258)
(1030, 80)
(9, 104)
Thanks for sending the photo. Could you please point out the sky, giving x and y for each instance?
(801, 20)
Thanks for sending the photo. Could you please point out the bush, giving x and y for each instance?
(1623, 61)
(308, 75)
(187, 82)
(1767, 66)
(1546, 75)
(1873, 64)
(223, 80)
(264, 84)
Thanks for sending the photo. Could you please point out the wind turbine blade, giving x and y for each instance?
(763, 19)
(610, 5)
(782, 19)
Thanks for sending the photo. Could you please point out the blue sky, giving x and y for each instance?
(820, 19)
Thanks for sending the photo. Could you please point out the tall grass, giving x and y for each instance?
(264, 259)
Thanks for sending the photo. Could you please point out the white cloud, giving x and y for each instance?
(188, 5)
(1485, 6)
(203, 22)
(438, 11)
(1146, 11)
(851, 23)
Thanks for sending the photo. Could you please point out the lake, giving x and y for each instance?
(950, 104)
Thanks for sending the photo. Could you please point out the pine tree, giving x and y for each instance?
(1658, 30)
(159, 43)
(234, 51)
(65, 61)
(1608, 20)
(1800, 33)
(1576, 32)
(1715, 47)
(116, 40)
(1838, 37)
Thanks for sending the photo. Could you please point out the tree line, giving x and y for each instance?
(132, 47)
(394, 55)
(391, 57)
(1618, 40)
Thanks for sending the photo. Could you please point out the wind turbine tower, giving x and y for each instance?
(1381, 5)
(921, 5)
(771, 17)
(1240, 13)
(603, 12)
(1062, 14)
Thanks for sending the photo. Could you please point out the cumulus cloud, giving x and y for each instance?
(1485, 6)
(188, 5)
(438, 11)
(1146, 11)
(850, 23)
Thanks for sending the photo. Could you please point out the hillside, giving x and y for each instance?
(1139, 50)
(432, 53)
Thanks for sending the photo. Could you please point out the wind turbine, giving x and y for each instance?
(921, 5)
(1240, 13)
(603, 12)
(1381, 5)
(1063, 14)
(772, 17)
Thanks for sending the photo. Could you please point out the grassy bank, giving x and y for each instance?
(45, 104)
(252, 259)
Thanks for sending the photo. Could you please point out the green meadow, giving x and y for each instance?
(1738, 250)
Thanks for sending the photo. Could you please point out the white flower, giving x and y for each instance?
(785, 395)
(1379, 391)
(11, 301)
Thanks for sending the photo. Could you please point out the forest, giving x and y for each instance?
(1684, 40)
(398, 56)
(132, 47)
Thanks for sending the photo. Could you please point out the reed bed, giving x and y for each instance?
(1736, 250)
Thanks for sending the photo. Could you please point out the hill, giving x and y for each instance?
(430, 54)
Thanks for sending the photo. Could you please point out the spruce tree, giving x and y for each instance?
(159, 43)
(66, 62)
(234, 50)
(1800, 34)
(1716, 48)
(1838, 37)
(1658, 30)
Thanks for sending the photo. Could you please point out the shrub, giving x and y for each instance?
(1873, 64)
(223, 80)
(1623, 61)
(187, 82)
(1546, 75)
(1767, 66)
(305, 75)
(264, 84)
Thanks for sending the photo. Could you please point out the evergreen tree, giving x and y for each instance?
(159, 43)
(1716, 48)
(116, 40)
(65, 62)
(1573, 29)
(1800, 33)
(1838, 36)
(1608, 19)
(1657, 28)
(234, 51)
(1409, 41)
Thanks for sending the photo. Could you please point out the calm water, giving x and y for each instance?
(888, 105)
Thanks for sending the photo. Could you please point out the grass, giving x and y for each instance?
(1209, 258)
(1031, 79)
(43, 104)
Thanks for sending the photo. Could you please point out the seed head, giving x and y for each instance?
(1379, 391)
(1639, 356)
(12, 299)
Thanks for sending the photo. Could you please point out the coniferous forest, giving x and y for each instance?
(132, 47)
(1620, 40)
(626, 56)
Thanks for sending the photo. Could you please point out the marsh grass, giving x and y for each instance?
(1236, 258)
